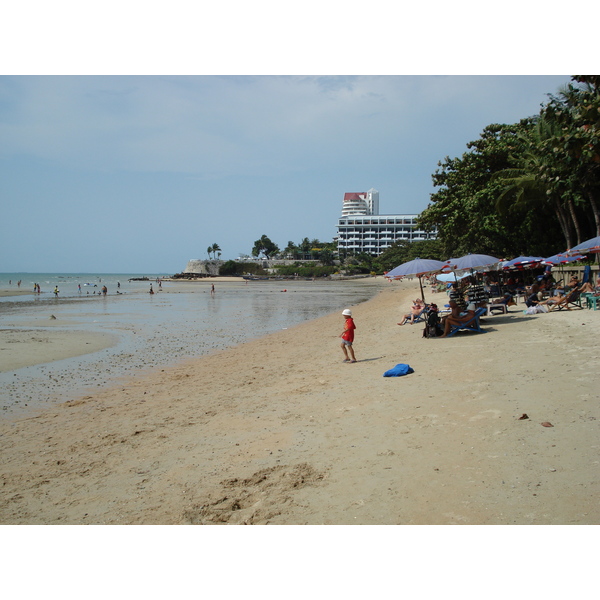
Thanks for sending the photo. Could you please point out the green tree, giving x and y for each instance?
(327, 257)
(265, 247)
(404, 250)
(540, 182)
(464, 209)
(575, 111)
(291, 250)
(305, 247)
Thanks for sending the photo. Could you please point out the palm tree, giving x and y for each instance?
(215, 249)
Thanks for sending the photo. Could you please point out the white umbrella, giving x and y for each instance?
(448, 277)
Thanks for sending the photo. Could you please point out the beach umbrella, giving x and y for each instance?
(448, 277)
(472, 261)
(418, 267)
(522, 262)
(588, 247)
(561, 259)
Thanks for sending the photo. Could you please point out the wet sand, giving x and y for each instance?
(27, 347)
(8, 292)
(280, 431)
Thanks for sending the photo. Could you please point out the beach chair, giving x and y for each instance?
(570, 301)
(470, 325)
(496, 306)
(418, 318)
(421, 316)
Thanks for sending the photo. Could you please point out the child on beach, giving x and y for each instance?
(348, 336)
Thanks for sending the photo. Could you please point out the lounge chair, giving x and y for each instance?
(418, 318)
(571, 300)
(470, 325)
(421, 316)
(492, 306)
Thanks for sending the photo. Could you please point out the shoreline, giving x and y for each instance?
(20, 344)
(278, 430)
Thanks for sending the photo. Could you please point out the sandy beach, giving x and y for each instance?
(280, 431)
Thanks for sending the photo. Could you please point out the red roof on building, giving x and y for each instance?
(354, 196)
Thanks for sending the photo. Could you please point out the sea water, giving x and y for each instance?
(180, 320)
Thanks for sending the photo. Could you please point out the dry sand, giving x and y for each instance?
(281, 431)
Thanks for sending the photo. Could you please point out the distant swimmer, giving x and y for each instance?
(56, 291)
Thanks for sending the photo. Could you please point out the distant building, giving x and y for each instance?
(362, 229)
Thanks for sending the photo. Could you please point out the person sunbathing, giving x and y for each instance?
(415, 311)
(587, 287)
(457, 319)
(557, 301)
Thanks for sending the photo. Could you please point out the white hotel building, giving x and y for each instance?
(362, 229)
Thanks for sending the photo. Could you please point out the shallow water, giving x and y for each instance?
(183, 320)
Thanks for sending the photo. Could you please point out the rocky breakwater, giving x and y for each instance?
(202, 268)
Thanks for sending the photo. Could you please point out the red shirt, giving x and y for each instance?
(349, 328)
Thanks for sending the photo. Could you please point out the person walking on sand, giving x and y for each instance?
(348, 336)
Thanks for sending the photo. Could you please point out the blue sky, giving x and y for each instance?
(142, 173)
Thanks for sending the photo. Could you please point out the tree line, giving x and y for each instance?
(532, 187)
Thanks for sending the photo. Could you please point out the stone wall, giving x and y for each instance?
(203, 267)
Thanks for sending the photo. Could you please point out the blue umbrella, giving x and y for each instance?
(472, 261)
(418, 267)
(522, 262)
(589, 246)
(561, 259)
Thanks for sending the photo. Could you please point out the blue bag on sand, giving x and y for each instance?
(398, 371)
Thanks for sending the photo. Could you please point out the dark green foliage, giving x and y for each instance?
(528, 188)
(232, 268)
(403, 251)
(265, 247)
